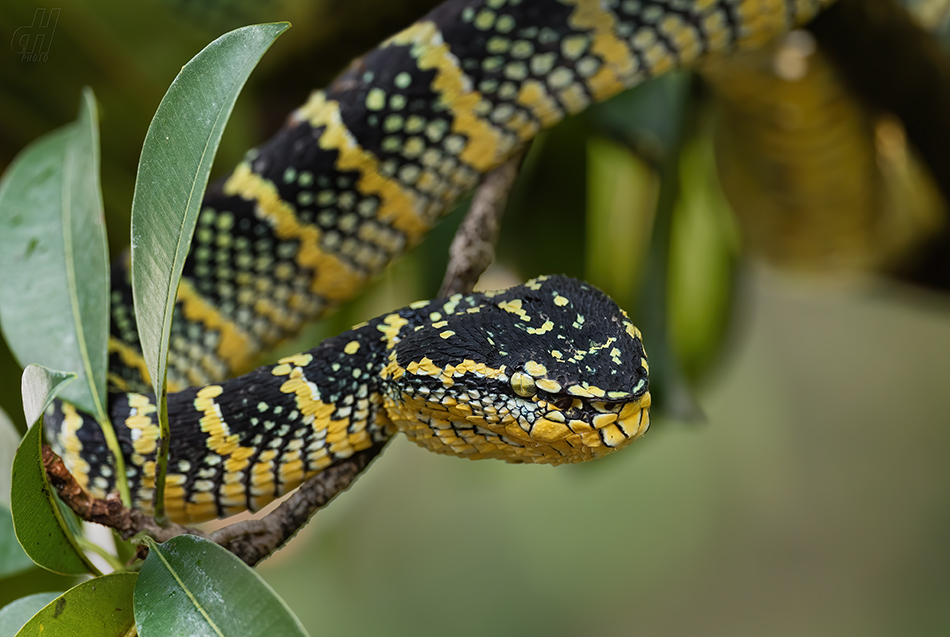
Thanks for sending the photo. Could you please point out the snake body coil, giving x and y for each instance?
(551, 371)
(359, 174)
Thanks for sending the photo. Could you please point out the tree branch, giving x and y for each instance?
(254, 540)
(473, 247)
(107, 511)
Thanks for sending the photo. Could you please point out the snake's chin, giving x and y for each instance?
(544, 441)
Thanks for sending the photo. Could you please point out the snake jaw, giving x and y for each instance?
(468, 429)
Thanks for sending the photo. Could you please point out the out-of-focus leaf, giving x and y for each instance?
(9, 439)
(40, 526)
(643, 118)
(100, 607)
(173, 172)
(621, 200)
(543, 231)
(54, 275)
(703, 261)
(190, 586)
(664, 106)
(15, 614)
(12, 558)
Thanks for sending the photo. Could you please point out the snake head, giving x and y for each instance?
(552, 371)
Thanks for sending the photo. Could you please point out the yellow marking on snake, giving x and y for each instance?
(145, 434)
(398, 207)
(72, 446)
(234, 346)
(618, 69)
(131, 357)
(300, 360)
(390, 328)
(333, 278)
(486, 148)
(534, 97)
(220, 439)
(307, 398)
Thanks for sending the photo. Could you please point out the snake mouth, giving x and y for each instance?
(583, 431)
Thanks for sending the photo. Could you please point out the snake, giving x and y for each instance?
(818, 182)
(551, 371)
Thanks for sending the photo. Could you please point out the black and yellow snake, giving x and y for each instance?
(550, 371)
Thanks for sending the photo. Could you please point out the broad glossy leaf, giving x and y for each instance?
(100, 607)
(15, 614)
(190, 586)
(173, 171)
(54, 275)
(40, 526)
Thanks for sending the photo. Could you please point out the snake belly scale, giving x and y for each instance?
(355, 177)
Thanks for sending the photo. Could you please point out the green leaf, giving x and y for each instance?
(100, 607)
(40, 526)
(190, 586)
(39, 386)
(12, 558)
(15, 614)
(658, 133)
(173, 171)
(54, 274)
(9, 439)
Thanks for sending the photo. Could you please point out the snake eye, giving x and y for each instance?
(523, 384)
(562, 402)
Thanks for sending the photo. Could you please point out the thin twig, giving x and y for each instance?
(107, 511)
(473, 247)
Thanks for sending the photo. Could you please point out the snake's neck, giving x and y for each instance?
(240, 444)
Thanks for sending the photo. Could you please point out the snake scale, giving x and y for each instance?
(550, 371)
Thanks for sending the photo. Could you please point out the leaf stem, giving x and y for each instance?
(161, 460)
(112, 560)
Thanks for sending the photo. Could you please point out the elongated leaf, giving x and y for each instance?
(173, 172)
(190, 586)
(15, 614)
(54, 275)
(40, 526)
(9, 439)
(100, 607)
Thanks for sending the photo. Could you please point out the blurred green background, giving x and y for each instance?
(795, 478)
